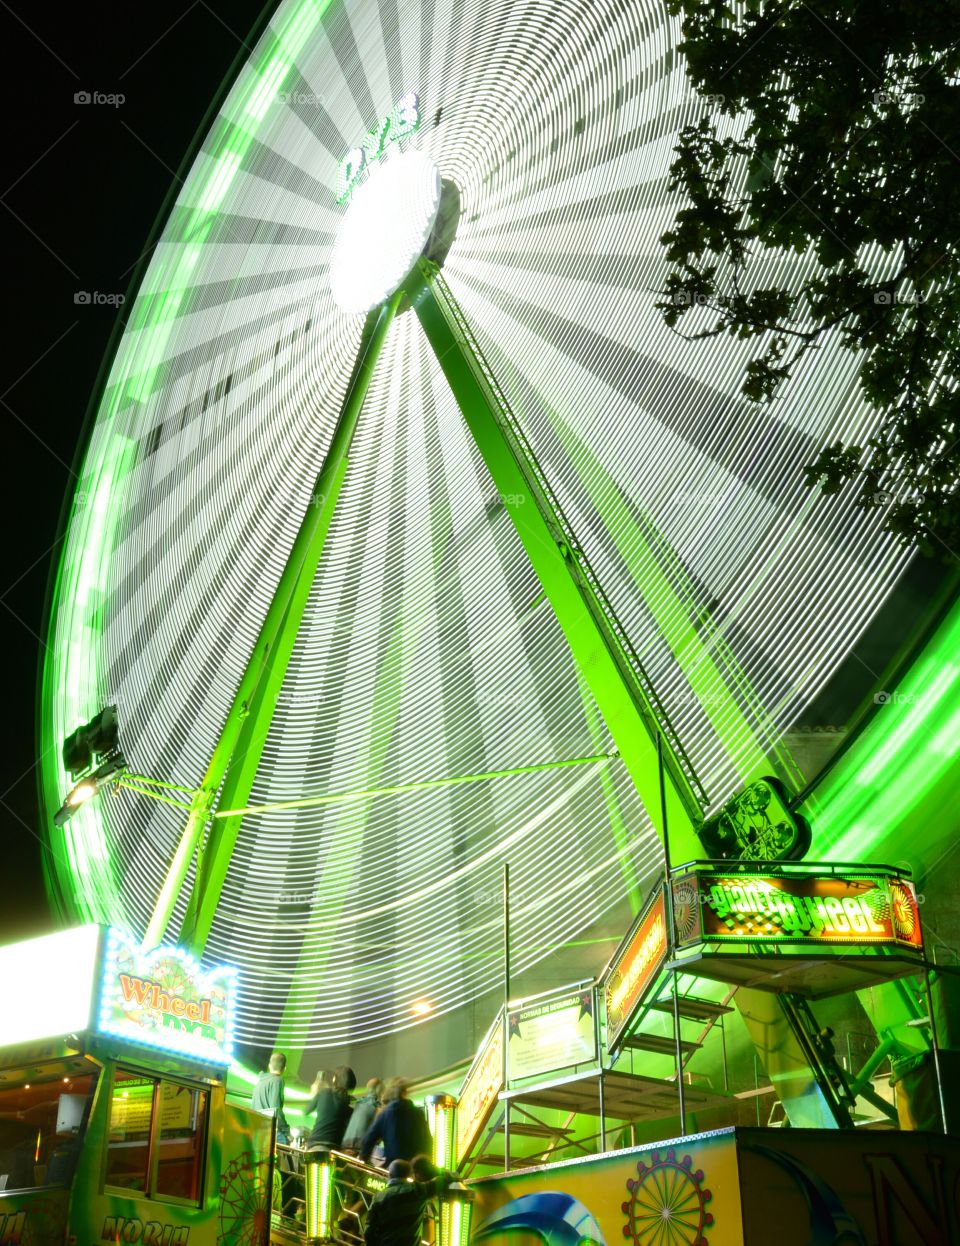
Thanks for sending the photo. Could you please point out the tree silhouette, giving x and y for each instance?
(833, 132)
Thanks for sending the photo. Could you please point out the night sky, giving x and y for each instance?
(82, 185)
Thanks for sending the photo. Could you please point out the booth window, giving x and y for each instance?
(157, 1130)
(41, 1125)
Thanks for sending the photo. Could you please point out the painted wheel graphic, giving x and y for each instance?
(244, 1202)
(668, 1203)
(45, 1222)
(686, 916)
(904, 912)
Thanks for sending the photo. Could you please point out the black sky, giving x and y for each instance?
(81, 186)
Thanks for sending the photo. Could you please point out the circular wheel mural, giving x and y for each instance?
(45, 1221)
(244, 1202)
(428, 653)
(668, 1203)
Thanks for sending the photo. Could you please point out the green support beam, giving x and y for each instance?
(598, 642)
(233, 764)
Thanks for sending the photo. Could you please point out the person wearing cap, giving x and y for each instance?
(396, 1213)
(399, 1125)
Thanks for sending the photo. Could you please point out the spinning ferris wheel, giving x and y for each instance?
(406, 529)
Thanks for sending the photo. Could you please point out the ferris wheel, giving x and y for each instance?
(298, 547)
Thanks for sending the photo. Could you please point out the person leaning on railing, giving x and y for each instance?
(399, 1125)
(396, 1213)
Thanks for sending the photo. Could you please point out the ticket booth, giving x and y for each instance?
(114, 1124)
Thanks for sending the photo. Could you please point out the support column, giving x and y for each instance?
(233, 764)
(599, 644)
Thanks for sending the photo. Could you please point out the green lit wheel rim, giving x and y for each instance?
(427, 650)
(668, 1203)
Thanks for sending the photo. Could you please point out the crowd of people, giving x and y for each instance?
(383, 1126)
(382, 1122)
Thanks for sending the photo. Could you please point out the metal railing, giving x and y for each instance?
(353, 1189)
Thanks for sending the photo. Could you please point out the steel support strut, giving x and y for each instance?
(598, 641)
(235, 758)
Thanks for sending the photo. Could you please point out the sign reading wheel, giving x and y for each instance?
(634, 968)
(163, 999)
(868, 910)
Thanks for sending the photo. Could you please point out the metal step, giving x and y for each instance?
(693, 1007)
(660, 1044)
(490, 1160)
(527, 1129)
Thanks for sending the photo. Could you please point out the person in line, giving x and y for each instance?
(364, 1111)
(268, 1095)
(332, 1106)
(399, 1125)
(268, 1098)
(396, 1213)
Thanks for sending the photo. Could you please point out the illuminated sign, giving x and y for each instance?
(398, 124)
(633, 969)
(164, 999)
(49, 985)
(550, 1035)
(827, 908)
(758, 824)
(479, 1091)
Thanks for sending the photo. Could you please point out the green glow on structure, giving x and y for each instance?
(71, 690)
(621, 837)
(908, 751)
(165, 293)
(72, 686)
(670, 599)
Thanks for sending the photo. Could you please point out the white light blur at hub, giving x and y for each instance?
(386, 227)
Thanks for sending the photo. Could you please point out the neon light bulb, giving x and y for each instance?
(82, 792)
